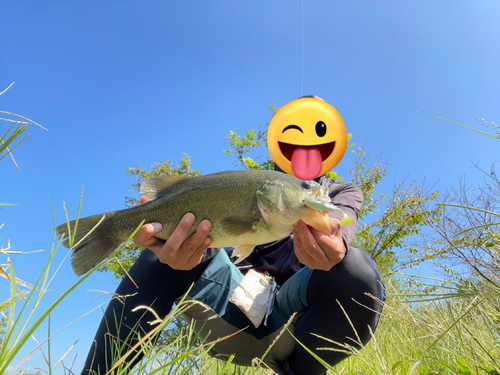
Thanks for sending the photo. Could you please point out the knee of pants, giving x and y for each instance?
(355, 278)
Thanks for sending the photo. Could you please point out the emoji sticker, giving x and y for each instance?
(307, 138)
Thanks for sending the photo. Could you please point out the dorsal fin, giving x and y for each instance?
(155, 186)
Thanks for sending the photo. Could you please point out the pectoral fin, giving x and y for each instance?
(239, 225)
(318, 220)
(242, 252)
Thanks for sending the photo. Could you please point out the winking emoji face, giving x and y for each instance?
(307, 138)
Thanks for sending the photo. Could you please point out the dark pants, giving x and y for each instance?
(325, 302)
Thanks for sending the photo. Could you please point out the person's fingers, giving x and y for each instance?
(174, 242)
(193, 243)
(300, 252)
(143, 199)
(145, 235)
(336, 226)
(198, 254)
(308, 242)
(331, 246)
(182, 254)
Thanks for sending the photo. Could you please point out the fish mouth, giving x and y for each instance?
(319, 195)
(325, 149)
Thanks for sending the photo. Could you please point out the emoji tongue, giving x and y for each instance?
(306, 163)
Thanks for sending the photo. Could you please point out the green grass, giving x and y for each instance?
(431, 338)
(460, 335)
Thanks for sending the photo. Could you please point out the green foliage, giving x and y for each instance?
(405, 213)
(249, 143)
(333, 175)
(368, 178)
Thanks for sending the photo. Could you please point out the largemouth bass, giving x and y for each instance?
(246, 208)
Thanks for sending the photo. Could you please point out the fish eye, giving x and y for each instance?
(320, 129)
(306, 184)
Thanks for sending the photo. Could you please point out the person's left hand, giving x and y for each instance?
(317, 250)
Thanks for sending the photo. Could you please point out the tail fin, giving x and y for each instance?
(95, 247)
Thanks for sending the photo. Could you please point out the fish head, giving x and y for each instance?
(284, 202)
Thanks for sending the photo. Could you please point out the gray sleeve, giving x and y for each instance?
(349, 198)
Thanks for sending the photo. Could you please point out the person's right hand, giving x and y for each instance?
(177, 253)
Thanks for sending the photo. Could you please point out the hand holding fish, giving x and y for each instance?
(177, 253)
(317, 250)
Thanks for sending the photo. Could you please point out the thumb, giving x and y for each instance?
(300, 227)
(143, 199)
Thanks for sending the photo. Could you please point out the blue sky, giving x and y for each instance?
(120, 84)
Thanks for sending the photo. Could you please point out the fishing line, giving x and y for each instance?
(302, 59)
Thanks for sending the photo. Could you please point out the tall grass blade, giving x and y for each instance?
(457, 123)
(11, 300)
(414, 368)
(470, 208)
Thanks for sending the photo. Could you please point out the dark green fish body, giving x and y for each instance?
(246, 208)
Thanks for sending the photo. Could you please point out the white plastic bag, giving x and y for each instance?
(254, 296)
